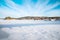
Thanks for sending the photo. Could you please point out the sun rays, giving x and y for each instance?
(29, 8)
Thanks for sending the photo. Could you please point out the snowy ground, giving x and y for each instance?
(20, 21)
(27, 22)
(37, 32)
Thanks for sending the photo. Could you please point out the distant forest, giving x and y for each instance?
(32, 18)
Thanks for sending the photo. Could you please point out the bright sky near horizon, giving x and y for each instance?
(19, 8)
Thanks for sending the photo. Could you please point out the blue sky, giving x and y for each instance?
(20, 8)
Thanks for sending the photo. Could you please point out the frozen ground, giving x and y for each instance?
(37, 32)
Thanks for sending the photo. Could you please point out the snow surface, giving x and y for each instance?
(47, 32)
(37, 32)
(26, 22)
(20, 21)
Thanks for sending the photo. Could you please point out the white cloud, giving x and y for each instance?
(54, 13)
(27, 9)
(10, 12)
